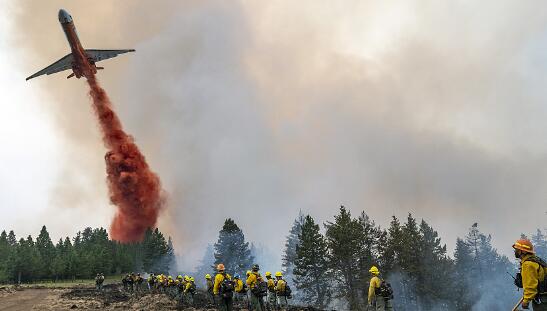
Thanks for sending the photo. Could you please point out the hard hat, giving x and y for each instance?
(278, 273)
(208, 276)
(374, 270)
(268, 273)
(524, 245)
(186, 278)
(256, 267)
(179, 276)
(170, 277)
(249, 272)
(192, 279)
(220, 267)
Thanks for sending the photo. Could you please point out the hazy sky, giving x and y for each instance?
(254, 110)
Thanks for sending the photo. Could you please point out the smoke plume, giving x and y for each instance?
(254, 110)
(133, 187)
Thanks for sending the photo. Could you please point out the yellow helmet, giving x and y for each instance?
(278, 273)
(207, 276)
(170, 277)
(374, 270)
(268, 273)
(179, 276)
(192, 279)
(186, 278)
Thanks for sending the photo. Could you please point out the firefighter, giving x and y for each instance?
(533, 271)
(253, 283)
(248, 290)
(375, 300)
(131, 281)
(99, 280)
(138, 282)
(159, 282)
(151, 281)
(239, 288)
(189, 291)
(223, 289)
(124, 282)
(282, 291)
(209, 282)
(271, 291)
(171, 288)
(179, 285)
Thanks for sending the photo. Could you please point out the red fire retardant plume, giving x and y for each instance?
(133, 187)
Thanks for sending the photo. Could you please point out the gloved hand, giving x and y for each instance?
(525, 304)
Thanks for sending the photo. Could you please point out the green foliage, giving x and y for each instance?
(345, 238)
(232, 250)
(291, 243)
(410, 255)
(90, 252)
(311, 267)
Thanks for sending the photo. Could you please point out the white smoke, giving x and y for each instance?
(256, 110)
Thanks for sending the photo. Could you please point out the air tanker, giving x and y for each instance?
(79, 59)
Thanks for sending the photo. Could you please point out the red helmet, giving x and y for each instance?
(524, 245)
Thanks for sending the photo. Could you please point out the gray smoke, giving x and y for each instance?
(256, 110)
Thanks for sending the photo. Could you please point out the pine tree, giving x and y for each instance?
(463, 260)
(487, 268)
(291, 242)
(170, 257)
(409, 257)
(232, 250)
(46, 250)
(69, 259)
(27, 260)
(345, 238)
(5, 250)
(435, 277)
(311, 269)
(540, 244)
(12, 240)
(389, 246)
(154, 250)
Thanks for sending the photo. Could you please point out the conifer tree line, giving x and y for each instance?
(329, 265)
(83, 256)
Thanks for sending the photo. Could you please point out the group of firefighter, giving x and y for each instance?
(532, 278)
(258, 293)
(182, 288)
(272, 293)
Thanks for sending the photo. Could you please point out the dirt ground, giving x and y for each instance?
(86, 298)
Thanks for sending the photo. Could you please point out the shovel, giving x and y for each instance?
(516, 307)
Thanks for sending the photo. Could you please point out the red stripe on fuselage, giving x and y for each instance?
(72, 37)
(81, 63)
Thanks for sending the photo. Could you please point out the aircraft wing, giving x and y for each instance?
(64, 63)
(99, 55)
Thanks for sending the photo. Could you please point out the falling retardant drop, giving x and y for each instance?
(134, 188)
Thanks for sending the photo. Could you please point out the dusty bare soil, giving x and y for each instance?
(112, 298)
(22, 300)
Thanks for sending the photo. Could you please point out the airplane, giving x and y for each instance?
(78, 59)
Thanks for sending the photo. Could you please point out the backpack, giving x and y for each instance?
(385, 290)
(288, 291)
(542, 286)
(261, 288)
(227, 288)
